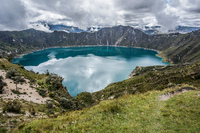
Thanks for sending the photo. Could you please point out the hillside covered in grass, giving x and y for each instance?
(142, 112)
(154, 99)
(144, 79)
(26, 95)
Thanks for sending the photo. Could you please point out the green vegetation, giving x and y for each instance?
(42, 92)
(15, 76)
(85, 99)
(2, 84)
(11, 73)
(54, 81)
(66, 103)
(3, 130)
(29, 111)
(153, 99)
(137, 104)
(32, 110)
(55, 87)
(12, 106)
(130, 113)
(49, 83)
(152, 78)
(6, 65)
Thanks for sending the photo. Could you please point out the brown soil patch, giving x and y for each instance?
(31, 93)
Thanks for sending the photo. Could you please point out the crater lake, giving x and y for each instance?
(89, 68)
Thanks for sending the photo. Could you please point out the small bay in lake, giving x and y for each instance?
(89, 68)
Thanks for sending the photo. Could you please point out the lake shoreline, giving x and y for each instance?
(164, 59)
(121, 67)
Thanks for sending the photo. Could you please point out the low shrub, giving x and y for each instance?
(51, 94)
(66, 103)
(3, 130)
(50, 112)
(21, 126)
(32, 110)
(11, 73)
(49, 104)
(42, 92)
(12, 106)
(15, 91)
(54, 81)
(85, 98)
(40, 82)
(2, 84)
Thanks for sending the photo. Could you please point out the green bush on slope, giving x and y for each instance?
(12, 106)
(2, 84)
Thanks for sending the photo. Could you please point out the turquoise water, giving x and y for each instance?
(89, 68)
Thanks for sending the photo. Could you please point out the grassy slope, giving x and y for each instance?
(152, 78)
(32, 76)
(4, 119)
(40, 109)
(140, 109)
(130, 113)
(5, 64)
(9, 122)
(184, 48)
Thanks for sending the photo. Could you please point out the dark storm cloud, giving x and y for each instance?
(195, 10)
(12, 15)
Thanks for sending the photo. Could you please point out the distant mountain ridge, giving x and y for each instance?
(150, 30)
(68, 29)
(154, 30)
(175, 47)
(43, 26)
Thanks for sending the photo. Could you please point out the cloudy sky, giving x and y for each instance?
(19, 14)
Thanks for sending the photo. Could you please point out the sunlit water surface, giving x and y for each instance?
(89, 68)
